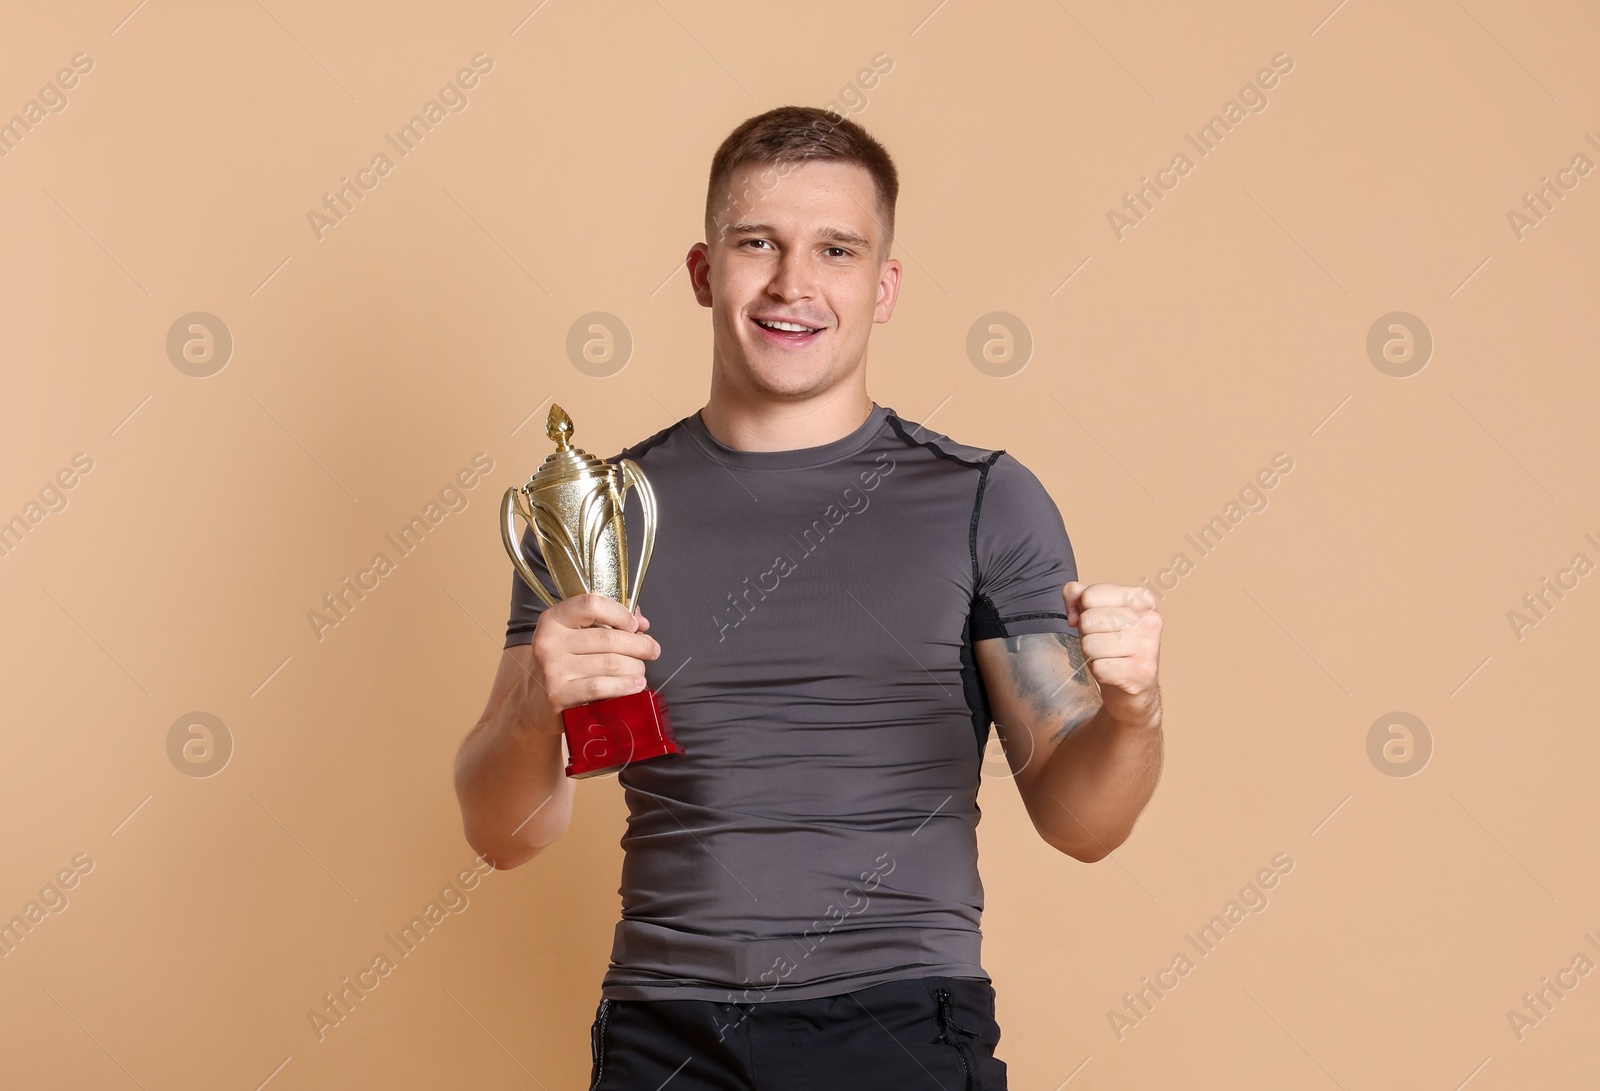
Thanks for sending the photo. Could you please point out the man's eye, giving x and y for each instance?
(747, 242)
(841, 251)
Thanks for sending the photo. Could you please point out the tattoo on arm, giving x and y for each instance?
(1074, 646)
(1036, 669)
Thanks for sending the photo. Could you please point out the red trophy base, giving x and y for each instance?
(603, 736)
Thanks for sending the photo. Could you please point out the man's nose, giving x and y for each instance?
(791, 278)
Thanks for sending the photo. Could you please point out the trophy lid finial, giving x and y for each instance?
(559, 427)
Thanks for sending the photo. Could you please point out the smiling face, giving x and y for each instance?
(795, 277)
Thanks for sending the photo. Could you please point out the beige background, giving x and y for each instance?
(1167, 368)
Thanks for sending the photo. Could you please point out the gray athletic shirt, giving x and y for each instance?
(816, 611)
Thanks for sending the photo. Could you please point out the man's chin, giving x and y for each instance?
(786, 381)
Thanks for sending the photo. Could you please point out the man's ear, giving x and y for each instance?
(699, 264)
(888, 290)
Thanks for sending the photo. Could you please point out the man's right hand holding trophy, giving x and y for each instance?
(582, 678)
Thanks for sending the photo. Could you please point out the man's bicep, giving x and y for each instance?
(1039, 689)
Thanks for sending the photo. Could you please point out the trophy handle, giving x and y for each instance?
(509, 510)
(632, 477)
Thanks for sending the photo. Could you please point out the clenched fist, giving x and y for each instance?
(1121, 638)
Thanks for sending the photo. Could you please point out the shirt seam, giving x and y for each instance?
(977, 511)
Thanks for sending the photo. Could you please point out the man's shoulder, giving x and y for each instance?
(1007, 482)
(641, 449)
(910, 434)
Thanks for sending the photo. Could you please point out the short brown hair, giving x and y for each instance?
(793, 134)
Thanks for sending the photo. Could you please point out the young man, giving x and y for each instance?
(842, 601)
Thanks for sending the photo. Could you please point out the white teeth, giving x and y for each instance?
(787, 327)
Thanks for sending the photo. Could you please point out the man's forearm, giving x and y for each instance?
(515, 797)
(1096, 782)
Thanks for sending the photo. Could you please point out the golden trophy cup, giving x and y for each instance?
(573, 503)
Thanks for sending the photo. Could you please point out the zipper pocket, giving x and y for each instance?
(947, 1023)
(597, 1042)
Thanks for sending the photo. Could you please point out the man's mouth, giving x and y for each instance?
(779, 331)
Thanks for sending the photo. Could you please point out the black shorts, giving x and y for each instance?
(928, 1032)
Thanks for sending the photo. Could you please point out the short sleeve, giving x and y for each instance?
(1023, 556)
(525, 605)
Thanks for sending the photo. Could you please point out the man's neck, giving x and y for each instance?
(763, 425)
